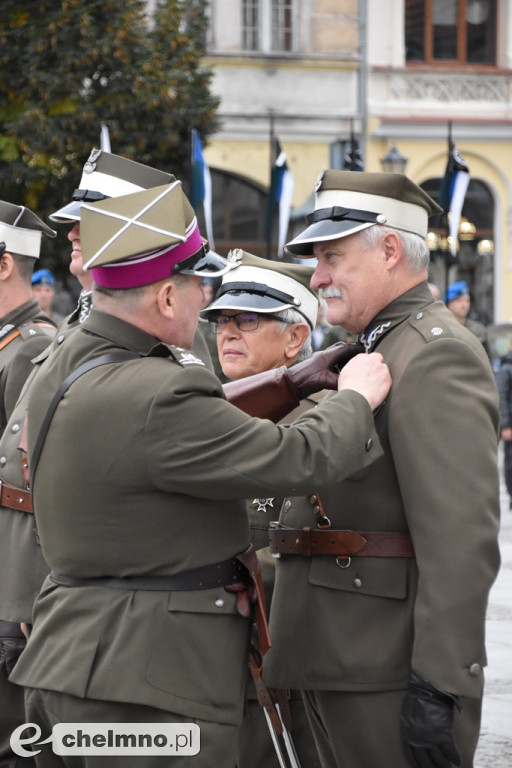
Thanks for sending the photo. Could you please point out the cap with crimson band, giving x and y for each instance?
(145, 237)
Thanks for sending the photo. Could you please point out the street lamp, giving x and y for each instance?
(394, 161)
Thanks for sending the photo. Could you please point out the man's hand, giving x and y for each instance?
(368, 375)
(320, 371)
(426, 725)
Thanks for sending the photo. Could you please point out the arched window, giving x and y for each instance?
(238, 214)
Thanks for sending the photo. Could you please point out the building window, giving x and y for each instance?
(268, 26)
(450, 31)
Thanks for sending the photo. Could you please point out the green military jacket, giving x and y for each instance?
(22, 566)
(362, 627)
(24, 333)
(144, 472)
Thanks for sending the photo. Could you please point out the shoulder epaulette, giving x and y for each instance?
(185, 357)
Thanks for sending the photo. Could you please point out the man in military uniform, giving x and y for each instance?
(379, 611)
(22, 566)
(141, 522)
(24, 331)
(263, 317)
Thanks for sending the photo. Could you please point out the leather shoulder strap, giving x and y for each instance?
(112, 357)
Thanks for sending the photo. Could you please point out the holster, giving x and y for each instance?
(267, 395)
(250, 596)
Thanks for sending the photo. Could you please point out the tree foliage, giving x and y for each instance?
(66, 66)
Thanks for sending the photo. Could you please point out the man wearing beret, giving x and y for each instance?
(43, 291)
(263, 316)
(458, 301)
(383, 578)
(144, 616)
(24, 331)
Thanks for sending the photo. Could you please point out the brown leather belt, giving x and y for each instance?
(308, 542)
(15, 498)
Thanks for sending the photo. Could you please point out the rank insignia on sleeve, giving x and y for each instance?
(261, 504)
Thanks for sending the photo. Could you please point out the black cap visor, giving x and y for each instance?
(321, 231)
(203, 263)
(71, 211)
(250, 302)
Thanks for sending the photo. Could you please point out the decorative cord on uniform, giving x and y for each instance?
(85, 305)
(368, 339)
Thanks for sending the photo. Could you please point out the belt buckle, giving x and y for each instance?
(274, 525)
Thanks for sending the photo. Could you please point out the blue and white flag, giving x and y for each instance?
(453, 191)
(280, 194)
(201, 185)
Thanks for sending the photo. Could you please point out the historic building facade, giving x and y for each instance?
(397, 75)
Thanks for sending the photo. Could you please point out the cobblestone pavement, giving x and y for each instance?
(495, 747)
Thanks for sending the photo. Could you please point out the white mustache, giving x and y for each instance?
(330, 293)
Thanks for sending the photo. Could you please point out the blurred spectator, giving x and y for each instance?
(459, 303)
(504, 382)
(43, 291)
(325, 334)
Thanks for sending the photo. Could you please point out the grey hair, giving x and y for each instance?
(290, 317)
(415, 248)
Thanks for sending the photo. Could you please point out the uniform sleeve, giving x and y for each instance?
(197, 443)
(443, 436)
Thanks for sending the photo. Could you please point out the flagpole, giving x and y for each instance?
(271, 164)
(446, 223)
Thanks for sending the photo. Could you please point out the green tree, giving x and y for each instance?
(66, 66)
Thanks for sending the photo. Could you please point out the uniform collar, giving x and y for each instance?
(394, 314)
(22, 313)
(123, 334)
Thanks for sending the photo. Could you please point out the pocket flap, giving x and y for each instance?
(215, 600)
(378, 576)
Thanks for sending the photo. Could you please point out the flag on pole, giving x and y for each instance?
(353, 160)
(201, 185)
(280, 194)
(453, 191)
(105, 138)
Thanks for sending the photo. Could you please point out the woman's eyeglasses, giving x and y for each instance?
(244, 321)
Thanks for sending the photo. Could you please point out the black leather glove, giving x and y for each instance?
(426, 725)
(321, 370)
(10, 650)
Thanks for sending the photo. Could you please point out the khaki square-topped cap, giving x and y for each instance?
(107, 175)
(145, 237)
(264, 286)
(349, 201)
(21, 230)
